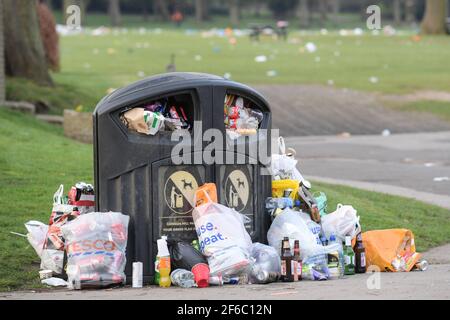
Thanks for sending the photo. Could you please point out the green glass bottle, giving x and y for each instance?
(349, 257)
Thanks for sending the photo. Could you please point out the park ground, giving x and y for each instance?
(367, 75)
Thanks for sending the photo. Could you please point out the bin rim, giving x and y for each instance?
(160, 83)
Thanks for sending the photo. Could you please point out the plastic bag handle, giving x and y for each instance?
(281, 145)
(58, 196)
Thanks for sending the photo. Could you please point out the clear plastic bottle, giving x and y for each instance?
(339, 273)
(182, 278)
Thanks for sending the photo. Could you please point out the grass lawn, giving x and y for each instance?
(93, 64)
(36, 158)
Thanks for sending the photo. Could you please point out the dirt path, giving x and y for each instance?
(300, 110)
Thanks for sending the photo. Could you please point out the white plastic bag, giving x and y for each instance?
(95, 245)
(223, 238)
(284, 166)
(342, 222)
(290, 224)
(37, 233)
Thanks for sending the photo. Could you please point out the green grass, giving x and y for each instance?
(400, 64)
(439, 108)
(56, 98)
(36, 158)
(91, 65)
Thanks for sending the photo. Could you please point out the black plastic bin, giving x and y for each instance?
(134, 173)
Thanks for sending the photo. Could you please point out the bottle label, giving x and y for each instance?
(350, 260)
(283, 267)
(363, 259)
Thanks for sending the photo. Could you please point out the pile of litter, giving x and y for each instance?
(81, 248)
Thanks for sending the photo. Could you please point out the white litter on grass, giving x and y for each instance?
(95, 51)
(374, 79)
(337, 54)
(87, 66)
(227, 75)
(358, 31)
(389, 30)
(441, 179)
(141, 74)
(55, 282)
(343, 33)
(323, 32)
(375, 32)
(330, 82)
(198, 57)
(317, 59)
(64, 30)
(260, 59)
(310, 47)
(386, 133)
(271, 73)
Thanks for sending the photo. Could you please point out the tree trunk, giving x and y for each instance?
(323, 8)
(49, 36)
(2, 58)
(234, 12)
(434, 19)
(304, 14)
(163, 9)
(114, 13)
(199, 15)
(397, 10)
(336, 5)
(25, 56)
(410, 16)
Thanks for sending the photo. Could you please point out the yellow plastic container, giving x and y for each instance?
(279, 186)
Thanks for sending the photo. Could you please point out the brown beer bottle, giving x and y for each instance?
(287, 274)
(360, 255)
(297, 262)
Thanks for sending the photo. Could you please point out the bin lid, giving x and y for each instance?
(163, 84)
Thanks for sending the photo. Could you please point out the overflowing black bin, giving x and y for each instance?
(135, 174)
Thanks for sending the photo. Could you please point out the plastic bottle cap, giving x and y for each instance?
(297, 203)
(332, 238)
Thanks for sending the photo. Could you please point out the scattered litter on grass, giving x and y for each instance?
(198, 57)
(311, 47)
(227, 75)
(141, 74)
(330, 82)
(260, 58)
(271, 73)
(374, 79)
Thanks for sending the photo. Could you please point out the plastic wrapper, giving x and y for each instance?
(223, 238)
(291, 224)
(266, 265)
(37, 233)
(342, 222)
(183, 255)
(52, 255)
(95, 245)
(143, 121)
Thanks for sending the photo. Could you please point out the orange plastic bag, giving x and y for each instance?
(206, 193)
(391, 250)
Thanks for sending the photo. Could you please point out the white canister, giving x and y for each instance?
(137, 274)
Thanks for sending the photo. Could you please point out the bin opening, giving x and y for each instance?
(241, 116)
(165, 114)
